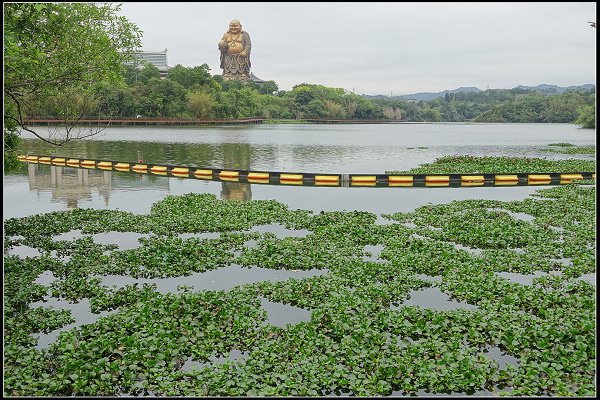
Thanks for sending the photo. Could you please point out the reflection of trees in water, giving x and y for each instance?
(235, 156)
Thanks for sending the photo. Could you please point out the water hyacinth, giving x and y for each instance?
(363, 336)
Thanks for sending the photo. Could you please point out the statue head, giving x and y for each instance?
(235, 27)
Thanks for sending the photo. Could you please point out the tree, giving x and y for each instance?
(55, 48)
(201, 105)
(194, 77)
(587, 116)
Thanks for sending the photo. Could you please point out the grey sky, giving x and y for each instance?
(384, 48)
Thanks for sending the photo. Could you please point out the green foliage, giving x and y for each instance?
(360, 338)
(192, 78)
(201, 105)
(586, 117)
(51, 49)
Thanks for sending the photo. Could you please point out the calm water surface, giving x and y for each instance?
(290, 148)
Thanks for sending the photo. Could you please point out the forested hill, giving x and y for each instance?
(192, 92)
(426, 96)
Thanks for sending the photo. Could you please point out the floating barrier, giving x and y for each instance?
(309, 179)
(88, 164)
(181, 172)
(203, 173)
(105, 165)
(159, 170)
(124, 167)
(140, 168)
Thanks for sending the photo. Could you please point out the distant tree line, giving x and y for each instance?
(192, 92)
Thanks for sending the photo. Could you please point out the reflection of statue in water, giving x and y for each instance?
(236, 156)
(236, 191)
(235, 52)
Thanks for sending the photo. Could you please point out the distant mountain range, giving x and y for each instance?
(426, 96)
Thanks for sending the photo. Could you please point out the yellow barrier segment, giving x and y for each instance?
(180, 171)
(258, 175)
(290, 182)
(45, 160)
(467, 183)
(258, 180)
(437, 183)
(400, 180)
(106, 165)
(537, 179)
(437, 179)
(472, 178)
(571, 176)
(141, 168)
(159, 170)
(122, 167)
(593, 176)
(203, 174)
(326, 180)
(73, 162)
(32, 159)
(228, 174)
(506, 180)
(58, 161)
(290, 177)
(22, 158)
(88, 164)
(369, 180)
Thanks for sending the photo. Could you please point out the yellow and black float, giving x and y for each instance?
(140, 168)
(291, 179)
(363, 180)
(327, 180)
(400, 180)
(181, 172)
(437, 180)
(506, 179)
(232, 176)
(309, 179)
(203, 173)
(88, 164)
(124, 167)
(158, 170)
(105, 165)
(472, 180)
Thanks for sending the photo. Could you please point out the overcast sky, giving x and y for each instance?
(385, 48)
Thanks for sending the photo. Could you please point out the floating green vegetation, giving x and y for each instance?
(567, 148)
(499, 165)
(360, 338)
(561, 144)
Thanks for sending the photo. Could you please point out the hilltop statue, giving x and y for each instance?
(235, 52)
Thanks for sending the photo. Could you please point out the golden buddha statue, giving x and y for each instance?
(235, 52)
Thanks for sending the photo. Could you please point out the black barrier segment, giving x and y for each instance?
(455, 179)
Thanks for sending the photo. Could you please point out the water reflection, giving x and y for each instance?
(70, 184)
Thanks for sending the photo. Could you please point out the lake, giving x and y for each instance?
(374, 288)
(288, 148)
